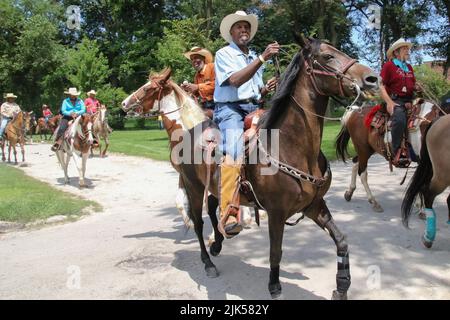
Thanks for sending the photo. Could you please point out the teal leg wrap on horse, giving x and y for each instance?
(430, 231)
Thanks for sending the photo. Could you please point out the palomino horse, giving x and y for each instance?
(45, 128)
(77, 142)
(368, 141)
(101, 129)
(316, 72)
(431, 177)
(15, 133)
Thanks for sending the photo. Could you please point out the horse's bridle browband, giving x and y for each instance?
(339, 74)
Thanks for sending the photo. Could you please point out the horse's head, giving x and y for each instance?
(85, 128)
(143, 100)
(102, 113)
(27, 117)
(332, 72)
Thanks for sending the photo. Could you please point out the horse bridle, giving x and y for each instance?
(339, 74)
(160, 90)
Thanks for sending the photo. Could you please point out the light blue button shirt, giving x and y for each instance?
(229, 60)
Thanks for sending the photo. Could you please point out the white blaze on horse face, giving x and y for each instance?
(127, 104)
(90, 137)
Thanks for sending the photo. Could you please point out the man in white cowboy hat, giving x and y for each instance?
(397, 90)
(238, 88)
(7, 111)
(92, 104)
(204, 78)
(71, 108)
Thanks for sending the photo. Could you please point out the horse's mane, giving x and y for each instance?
(194, 108)
(76, 128)
(286, 85)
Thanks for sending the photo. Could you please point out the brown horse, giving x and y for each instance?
(431, 177)
(49, 127)
(368, 141)
(15, 134)
(77, 142)
(300, 175)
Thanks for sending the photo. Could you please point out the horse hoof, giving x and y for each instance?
(215, 249)
(348, 196)
(211, 272)
(338, 295)
(275, 290)
(377, 208)
(279, 296)
(426, 243)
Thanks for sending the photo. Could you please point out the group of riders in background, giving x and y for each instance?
(71, 107)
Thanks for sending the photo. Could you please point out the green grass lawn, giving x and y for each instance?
(154, 143)
(330, 132)
(145, 143)
(24, 199)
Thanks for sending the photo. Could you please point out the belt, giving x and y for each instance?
(405, 98)
(245, 101)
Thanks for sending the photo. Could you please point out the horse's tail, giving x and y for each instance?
(342, 143)
(419, 181)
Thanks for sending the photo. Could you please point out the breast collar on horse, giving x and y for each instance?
(284, 167)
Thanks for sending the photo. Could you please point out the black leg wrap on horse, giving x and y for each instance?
(343, 278)
(274, 282)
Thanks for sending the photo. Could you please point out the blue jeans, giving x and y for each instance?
(230, 119)
(3, 124)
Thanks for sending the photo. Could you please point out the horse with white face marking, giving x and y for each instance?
(76, 144)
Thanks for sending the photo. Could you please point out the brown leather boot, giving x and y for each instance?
(57, 145)
(229, 200)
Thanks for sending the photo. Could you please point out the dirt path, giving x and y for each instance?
(138, 249)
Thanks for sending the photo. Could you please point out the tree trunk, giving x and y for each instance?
(208, 10)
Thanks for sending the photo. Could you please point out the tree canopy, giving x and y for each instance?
(113, 46)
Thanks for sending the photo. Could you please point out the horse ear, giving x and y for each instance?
(165, 75)
(302, 40)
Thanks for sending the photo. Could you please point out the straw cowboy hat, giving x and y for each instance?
(397, 44)
(231, 19)
(72, 92)
(10, 96)
(200, 51)
(92, 92)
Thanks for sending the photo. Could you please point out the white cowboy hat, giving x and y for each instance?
(231, 19)
(72, 92)
(92, 92)
(200, 51)
(10, 95)
(397, 44)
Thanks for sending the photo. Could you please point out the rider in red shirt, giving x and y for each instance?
(46, 112)
(91, 103)
(397, 89)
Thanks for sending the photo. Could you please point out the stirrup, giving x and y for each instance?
(56, 147)
(230, 230)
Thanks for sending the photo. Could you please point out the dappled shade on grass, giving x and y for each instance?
(25, 199)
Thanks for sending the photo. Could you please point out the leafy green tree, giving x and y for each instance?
(86, 66)
(178, 37)
(435, 84)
